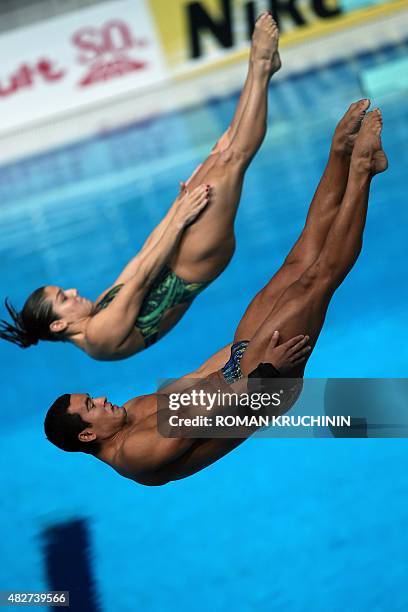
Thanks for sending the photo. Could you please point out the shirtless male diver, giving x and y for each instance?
(189, 248)
(294, 302)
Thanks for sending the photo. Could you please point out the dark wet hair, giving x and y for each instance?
(32, 323)
(63, 428)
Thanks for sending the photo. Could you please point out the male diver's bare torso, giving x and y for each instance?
(141, 451)
(148, 458)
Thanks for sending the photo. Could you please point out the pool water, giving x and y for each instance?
(287, 525)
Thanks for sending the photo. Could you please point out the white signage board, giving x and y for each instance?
(78, 59)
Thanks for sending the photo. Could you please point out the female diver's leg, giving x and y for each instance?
(207, 246)
(225, 140)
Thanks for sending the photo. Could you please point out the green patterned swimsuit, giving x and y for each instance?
(168, 290)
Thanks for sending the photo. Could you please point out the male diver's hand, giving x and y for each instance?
(287, 355)
(191, 203)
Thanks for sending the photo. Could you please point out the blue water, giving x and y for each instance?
(286, 525)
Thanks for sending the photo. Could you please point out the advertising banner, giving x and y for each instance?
(87, 57)
(204, 31)
(84, 57)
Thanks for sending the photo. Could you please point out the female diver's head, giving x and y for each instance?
(46, 315)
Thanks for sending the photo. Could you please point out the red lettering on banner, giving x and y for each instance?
(25, 76)
(84, 41)
(48, 71)
(117, 37)
(21, 78)
(106, 51)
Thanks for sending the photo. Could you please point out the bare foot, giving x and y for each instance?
(346, 131)
(368, 155)
(264, 50)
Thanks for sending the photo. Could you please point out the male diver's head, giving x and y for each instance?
(46, 315)
(78, 422)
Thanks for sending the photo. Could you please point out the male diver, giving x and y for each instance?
(294, 302)
(189, 248)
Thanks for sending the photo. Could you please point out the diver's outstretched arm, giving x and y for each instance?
(109, 328)
(155, 237)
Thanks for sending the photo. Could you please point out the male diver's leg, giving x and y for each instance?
(207, 246)
(330, 191)
(322, 212)
(301, 309)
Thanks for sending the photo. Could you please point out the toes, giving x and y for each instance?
(363, 103)
(267, 17)
(360, 106)
(260, 22)
(377, 116)
(266, 20)
(373, 120)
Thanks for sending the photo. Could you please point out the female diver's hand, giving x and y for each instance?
(287, 355)
(191, 203)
